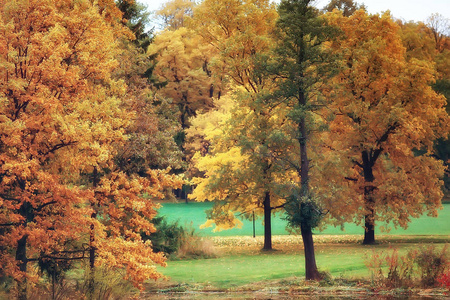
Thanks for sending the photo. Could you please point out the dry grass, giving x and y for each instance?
(194, 246)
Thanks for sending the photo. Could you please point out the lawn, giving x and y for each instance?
(237, 270)
(193, 214)
(241, 262)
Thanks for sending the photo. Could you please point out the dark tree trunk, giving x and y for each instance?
(369, 233)
(22, 261)
(369, 218)
(311, 271)
(267, 223)
(92, 248)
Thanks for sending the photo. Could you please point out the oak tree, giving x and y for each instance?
(386, 119)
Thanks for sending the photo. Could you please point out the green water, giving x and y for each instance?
(193, 214)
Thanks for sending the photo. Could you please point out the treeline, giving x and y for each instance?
(330, 115)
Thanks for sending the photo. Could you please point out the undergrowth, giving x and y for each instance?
(426, 266)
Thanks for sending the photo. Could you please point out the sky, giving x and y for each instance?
(415, 10)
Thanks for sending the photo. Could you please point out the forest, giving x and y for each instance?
(324, 117)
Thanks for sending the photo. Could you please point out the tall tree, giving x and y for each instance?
(150, 137)
(182, 65)
(240, 170)
(440, 29)
(421, 43)
(385, 111)
(174, 13)
(300, 60)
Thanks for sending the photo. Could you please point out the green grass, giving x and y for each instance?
(193, 214)
(337, 252)
(346, 261)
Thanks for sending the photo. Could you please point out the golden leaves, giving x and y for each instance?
(61, 118)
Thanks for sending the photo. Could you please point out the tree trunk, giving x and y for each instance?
(92, 247)
(22, 261)
(91, 279)
(267, 223)
(311, 271)
(369, 233)
(369, 217)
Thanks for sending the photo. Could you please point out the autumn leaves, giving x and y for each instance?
(327, 111)
(257, 105)
(63, 120)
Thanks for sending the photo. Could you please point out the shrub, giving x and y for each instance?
(168, 236)
(426, 264)
(195, 246)
(108, 284)
(432, 264)
(400, 268)
(444, 280)
(178, 241)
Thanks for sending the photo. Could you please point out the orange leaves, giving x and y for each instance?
(61, 118)
(384, 106)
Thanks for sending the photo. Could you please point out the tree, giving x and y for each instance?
(420, 42)
(386, 119)
(61, 117)
(150, 137)
(136, 18)
(174, 13)
(301, 65)
(182, 65)
(241, 172)
(241, 32)
(348, 7)
(440, 29)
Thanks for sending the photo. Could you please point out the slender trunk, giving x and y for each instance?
(267, 223)
(92, 257)
(92, 247)
(369, 217)
(22, 261)
(311, 271)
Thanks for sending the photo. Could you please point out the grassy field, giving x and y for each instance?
(193, 214)
(240, 264)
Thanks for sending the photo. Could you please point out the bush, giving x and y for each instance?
(108, 284)
(178, 241)
(428, 265)
(432, 264)
(195, 246)
(444, 280)
(167, 238)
